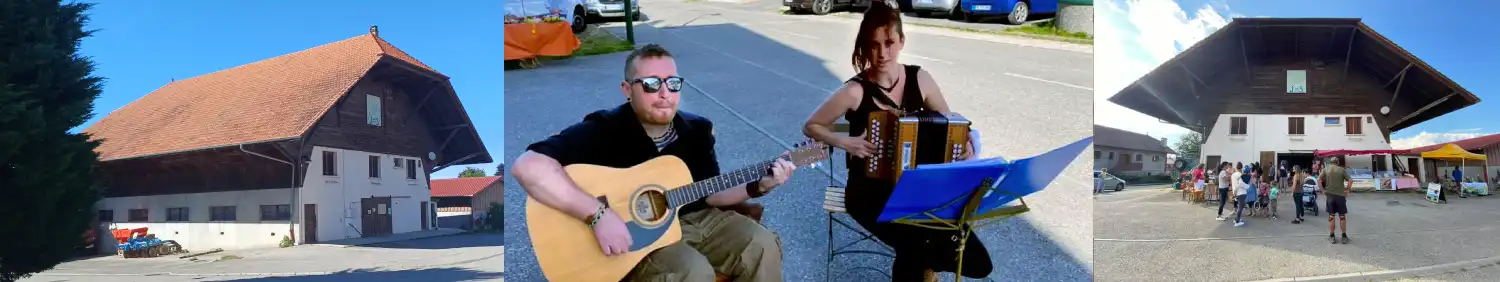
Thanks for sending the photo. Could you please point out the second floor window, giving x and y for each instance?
(1296, 126)
(1238, 125)
(1352, 126)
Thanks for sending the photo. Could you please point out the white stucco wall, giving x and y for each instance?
(1148, 165)
(332, 194)
(198, 233)
(1269, 133)
(338, 197)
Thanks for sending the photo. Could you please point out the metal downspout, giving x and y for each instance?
(292, 207)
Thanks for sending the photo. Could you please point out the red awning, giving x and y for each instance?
(1322, 153)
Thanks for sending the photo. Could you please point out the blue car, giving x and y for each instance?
(1015, 11)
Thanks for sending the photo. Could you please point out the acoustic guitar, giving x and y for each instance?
(647, 197)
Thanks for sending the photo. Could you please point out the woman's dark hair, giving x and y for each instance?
(866, 50)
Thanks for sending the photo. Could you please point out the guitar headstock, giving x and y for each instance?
(808, 152)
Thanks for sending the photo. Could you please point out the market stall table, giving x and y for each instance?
(526, 41)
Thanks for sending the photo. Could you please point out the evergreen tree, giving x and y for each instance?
(500, 169)
(47, 174)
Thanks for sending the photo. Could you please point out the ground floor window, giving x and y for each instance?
(138, 215)
(275, 212)
(106, 215)
(222, 213)
(177, 214)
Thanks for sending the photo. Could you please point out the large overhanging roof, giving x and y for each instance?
(1180, 90)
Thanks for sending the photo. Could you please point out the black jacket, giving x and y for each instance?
(615, 138)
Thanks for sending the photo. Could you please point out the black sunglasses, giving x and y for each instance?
(653, 84)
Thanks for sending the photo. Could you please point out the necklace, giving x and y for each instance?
(893, 83)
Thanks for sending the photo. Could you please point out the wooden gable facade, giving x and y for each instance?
(1243, 68)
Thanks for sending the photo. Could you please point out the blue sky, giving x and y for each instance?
(142, 45)
(1454, 37)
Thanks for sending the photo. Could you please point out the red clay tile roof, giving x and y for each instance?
(273, 99)
(461, 187)
(1466, 144)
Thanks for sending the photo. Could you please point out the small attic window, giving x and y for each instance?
(372, 109)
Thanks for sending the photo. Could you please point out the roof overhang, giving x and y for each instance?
(457, 140)
(1181, 90)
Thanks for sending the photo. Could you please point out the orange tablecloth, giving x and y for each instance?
(528, 40)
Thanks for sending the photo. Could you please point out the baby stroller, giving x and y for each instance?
(1310, 199)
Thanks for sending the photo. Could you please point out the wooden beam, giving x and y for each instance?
(451, 127)
(1399, 81)
(1399, 76)
(1349, 53)
(446, 140)
(429, 96)
(1245, 53)
(1192, 87)
(450, 163)
(1423, 109)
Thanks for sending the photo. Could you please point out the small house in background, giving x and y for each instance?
(461, 201)
(1128, 153)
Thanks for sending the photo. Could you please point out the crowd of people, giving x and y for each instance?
(1254, 192)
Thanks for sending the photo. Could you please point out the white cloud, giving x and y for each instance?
(1154, 29)
(1429, 138)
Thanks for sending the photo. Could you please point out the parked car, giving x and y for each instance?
(817, 7)
(611, 8)
(1110, 181)
(1015, 11)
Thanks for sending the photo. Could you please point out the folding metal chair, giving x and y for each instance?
(833, 205)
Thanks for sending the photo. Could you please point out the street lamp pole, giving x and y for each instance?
(630, 22)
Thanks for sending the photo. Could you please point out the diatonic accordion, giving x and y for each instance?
(905, 140)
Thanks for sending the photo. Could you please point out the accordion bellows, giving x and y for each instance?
(905, 140)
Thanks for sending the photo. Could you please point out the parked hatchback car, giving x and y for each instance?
(1110, 181)
(1015, 11)
(816, 7)
(612, 8)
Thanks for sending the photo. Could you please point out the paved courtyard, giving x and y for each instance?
(1393, 233)
(465, 257)
(758, 75)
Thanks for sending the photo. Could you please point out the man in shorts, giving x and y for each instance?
(1336, 182)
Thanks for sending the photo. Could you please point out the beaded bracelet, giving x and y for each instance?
(597, 214)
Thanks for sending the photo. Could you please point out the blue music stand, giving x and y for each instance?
(930, 195)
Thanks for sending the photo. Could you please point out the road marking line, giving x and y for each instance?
(1049, 81)
(796, 34)
(1284, 236)
(1415, 271)
(927, 58)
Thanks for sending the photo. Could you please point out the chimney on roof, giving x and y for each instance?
(1164, 142)
(375, 30)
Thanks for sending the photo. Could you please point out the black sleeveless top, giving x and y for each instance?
(865, 197)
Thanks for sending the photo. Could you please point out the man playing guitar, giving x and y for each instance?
(649, 125)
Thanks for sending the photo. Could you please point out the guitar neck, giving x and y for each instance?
(700, 189)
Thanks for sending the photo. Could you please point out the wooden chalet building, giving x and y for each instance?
(1268, 89)
(327, 143)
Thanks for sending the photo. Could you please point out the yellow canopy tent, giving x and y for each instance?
(1451, 152)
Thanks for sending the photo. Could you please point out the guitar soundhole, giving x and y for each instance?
(651, 206)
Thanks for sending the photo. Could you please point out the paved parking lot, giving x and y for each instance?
(1390, 232)
(466, 257)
